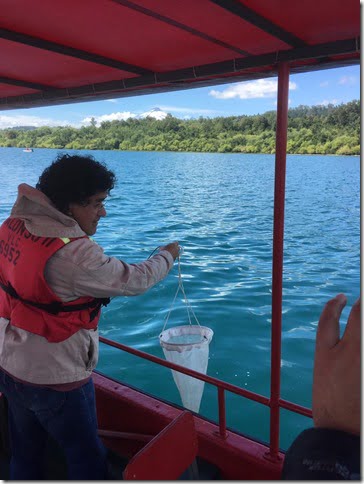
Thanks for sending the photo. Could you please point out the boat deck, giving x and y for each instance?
(129, 419)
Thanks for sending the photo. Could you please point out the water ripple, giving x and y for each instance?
(220, 208)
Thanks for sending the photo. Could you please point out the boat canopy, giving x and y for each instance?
(68, 51)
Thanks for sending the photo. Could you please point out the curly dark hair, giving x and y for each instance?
(74, 179)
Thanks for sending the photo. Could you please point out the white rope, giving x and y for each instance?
(182, 289)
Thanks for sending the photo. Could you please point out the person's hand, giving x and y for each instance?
(336, 381)
(173, 248)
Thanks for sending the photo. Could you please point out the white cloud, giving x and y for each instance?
(112, 100)
(176, 109)
(347, 81)
(262, 88)
(326, 102)
(25, 120)
(109, 117)
(324, 84)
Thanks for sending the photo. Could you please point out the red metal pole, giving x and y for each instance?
(277, 269)
(222, 414)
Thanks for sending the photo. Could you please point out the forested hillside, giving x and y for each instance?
(316, 129)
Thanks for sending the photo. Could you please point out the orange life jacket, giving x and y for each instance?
(25, 297)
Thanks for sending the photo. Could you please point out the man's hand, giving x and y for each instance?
(336, 385)
(173, 248)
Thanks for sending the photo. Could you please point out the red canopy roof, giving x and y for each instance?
(65, 51)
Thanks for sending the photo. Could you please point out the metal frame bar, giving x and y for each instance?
(29, 40)
(278, 246)
(19, 82)
(179, 25)
(209, 74)
(260, 22)
(222, 412)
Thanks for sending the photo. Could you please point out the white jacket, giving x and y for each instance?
(78, 269)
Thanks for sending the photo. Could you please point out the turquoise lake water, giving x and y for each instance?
(220, 208)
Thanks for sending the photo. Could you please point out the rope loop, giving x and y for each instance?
(180, 287)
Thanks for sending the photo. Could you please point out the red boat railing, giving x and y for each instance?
(275, 403)
(222, 386)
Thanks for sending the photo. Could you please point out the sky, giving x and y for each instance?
(329, 86)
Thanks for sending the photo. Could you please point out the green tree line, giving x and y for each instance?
(315, 129)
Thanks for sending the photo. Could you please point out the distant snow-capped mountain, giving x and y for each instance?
(156, 113)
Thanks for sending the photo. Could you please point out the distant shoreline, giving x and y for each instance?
(320, 130)
(179, 152)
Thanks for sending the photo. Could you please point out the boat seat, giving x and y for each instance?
(168, 454)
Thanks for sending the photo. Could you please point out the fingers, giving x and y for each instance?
(171, 245)
(328, 330)
(353, 327)
(173, 248)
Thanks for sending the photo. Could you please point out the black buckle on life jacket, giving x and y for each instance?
(100, 302)
(54, 307)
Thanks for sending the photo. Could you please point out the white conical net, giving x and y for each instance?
(188, 346)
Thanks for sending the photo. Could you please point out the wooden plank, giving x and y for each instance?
(168, 454)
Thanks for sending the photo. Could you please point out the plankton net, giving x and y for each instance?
(188, 346)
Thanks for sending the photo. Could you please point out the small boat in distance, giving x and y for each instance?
(28, 150)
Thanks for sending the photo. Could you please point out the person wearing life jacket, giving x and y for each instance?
(54, 279)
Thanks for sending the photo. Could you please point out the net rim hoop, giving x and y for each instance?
(200, 329)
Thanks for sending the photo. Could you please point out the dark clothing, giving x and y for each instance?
(69, 417)
(319, 454)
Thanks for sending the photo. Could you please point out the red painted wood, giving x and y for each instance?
(168, 454)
